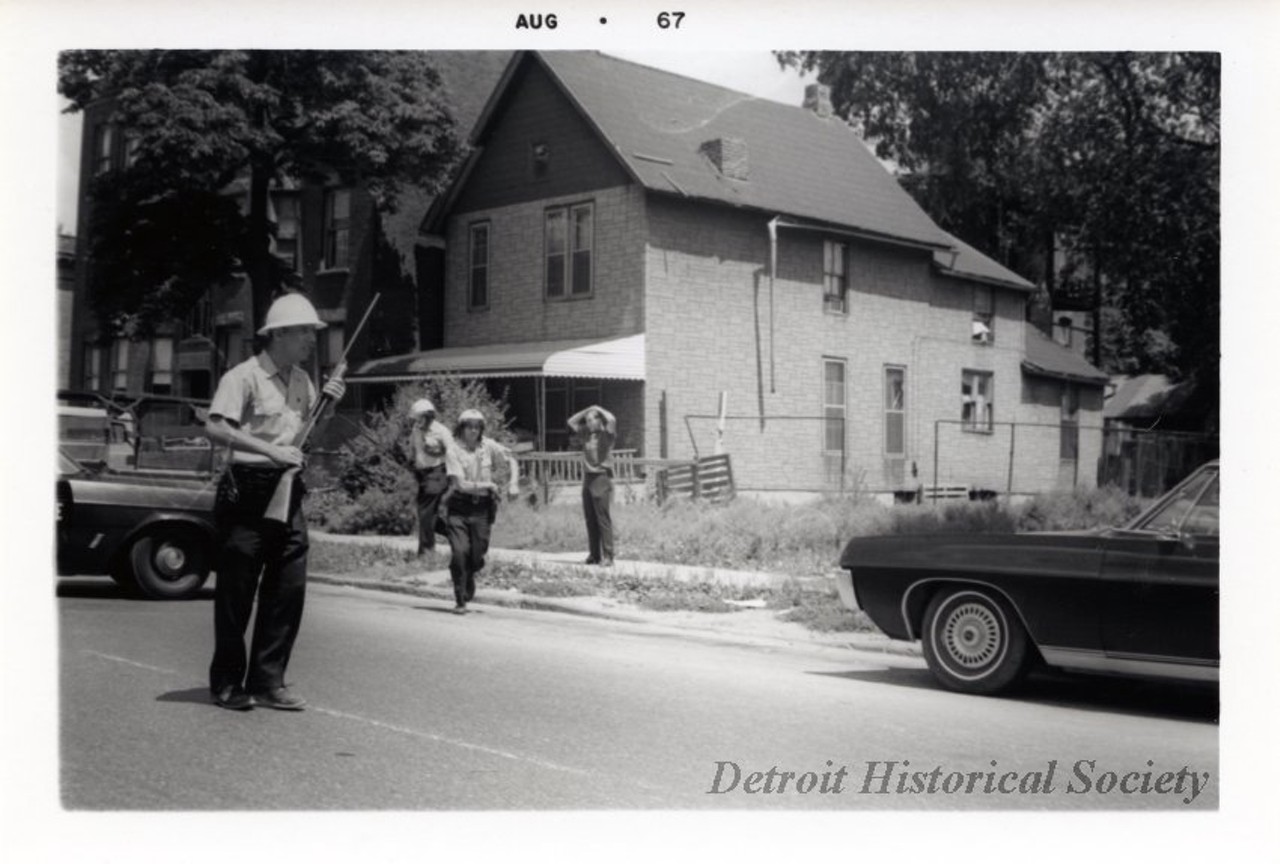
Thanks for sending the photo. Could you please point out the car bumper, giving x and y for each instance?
(844, 586)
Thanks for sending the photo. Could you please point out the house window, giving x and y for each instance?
(132, 144)
(162, 366)
(569, 238)
(984, 315)
(103, 139)
(92, 368)
(834, 285)
(895, 411)
(1064, 329)
(329, 345)
(337, 228)
(539, 159)
(287, 230)
(833, 404)
(1069, 431)
(478, 282)
(200, 318)
(978, 406)
(120, 364)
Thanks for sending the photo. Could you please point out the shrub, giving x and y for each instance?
(375, 488)
(1076, 510)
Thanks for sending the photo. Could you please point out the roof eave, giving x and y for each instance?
(1034, 369)
(1025, 287)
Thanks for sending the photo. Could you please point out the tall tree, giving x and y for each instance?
(1095, 173)
(198, 121)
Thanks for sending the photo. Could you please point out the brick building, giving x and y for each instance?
(671, 248)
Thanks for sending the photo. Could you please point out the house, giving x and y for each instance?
(722, 270)
(341, 248)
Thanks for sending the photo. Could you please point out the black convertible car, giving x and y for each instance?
(1141, 599)
(151, 532)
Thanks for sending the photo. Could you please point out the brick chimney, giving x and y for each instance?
(817, 98)
(729, 155)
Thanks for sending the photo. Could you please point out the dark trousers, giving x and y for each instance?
(432, 483)
(597, 496)
(267, 558)
(469, 521)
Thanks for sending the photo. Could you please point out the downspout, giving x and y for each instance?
(773, 271)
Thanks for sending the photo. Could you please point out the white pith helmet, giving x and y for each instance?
(421, 407)
(471, 415)
(291, 310)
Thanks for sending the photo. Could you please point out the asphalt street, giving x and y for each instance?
(413, 708)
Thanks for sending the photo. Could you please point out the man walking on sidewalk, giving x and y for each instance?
(431, 441)
(258, 411)
(597, 428)
(471, 504)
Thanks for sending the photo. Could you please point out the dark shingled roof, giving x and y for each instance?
(1046, 357)
(799, 164)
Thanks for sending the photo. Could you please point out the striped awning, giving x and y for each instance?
(618, 359)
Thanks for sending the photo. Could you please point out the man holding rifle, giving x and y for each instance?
(263, 410)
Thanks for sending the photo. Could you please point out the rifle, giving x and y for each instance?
(281, 500)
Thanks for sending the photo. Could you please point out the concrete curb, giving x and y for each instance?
(706, 624)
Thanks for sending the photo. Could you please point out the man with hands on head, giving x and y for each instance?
(258, 412)
(597, 429)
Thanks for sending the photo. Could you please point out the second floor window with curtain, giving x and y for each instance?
(569, 239)
(984, 315)
(337, 228)
(834, 283)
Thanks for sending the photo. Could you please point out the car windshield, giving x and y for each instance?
(1191, 508)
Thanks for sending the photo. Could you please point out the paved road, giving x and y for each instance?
(415, 708)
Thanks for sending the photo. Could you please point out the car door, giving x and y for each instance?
(1161, 577)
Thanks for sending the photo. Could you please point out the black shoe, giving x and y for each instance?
(279, 698)
(460, 609)
(233, 698)
(592, 560)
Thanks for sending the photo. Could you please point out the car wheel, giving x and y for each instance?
(169, 564)
(973, 642)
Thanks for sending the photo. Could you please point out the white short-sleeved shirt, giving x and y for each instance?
(436, 442)
(474, 466)
(261, 400)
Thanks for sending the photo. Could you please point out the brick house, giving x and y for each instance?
(671, 248)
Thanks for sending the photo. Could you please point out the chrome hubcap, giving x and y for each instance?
(170, 559)
(972, 635)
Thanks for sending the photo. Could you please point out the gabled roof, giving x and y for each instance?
(801, 165)
(1046, 357)
(968, 263)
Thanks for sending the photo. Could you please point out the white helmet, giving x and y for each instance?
(421, 407)
(291, 310)
(471, 415)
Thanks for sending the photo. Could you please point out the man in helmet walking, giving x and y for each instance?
(472, 501)
(258, 411)
(431, 439)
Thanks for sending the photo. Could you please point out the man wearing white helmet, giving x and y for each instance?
(258, 411)
(472, 502)
(431, 439)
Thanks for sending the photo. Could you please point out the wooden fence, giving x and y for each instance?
(709, 478)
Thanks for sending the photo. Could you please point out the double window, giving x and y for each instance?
(569, 237)
(478, 267)
(835, 286)
(984, 315)
(337, 229)
(978, 405)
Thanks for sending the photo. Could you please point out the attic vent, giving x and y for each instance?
(729, 155)
(817, 98)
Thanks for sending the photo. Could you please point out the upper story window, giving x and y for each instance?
(162, 365)
(984, 315)
(103, 142)
(288, 233)
(120, 364)
(1069, 431)
(200, 318)
(835, 287)
(895, 411)
(92, 367)
(539, 159)
(976, 392)
(337, 228)
(478, 267)
(568, 242)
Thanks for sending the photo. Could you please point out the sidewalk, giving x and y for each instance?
(751, 624)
